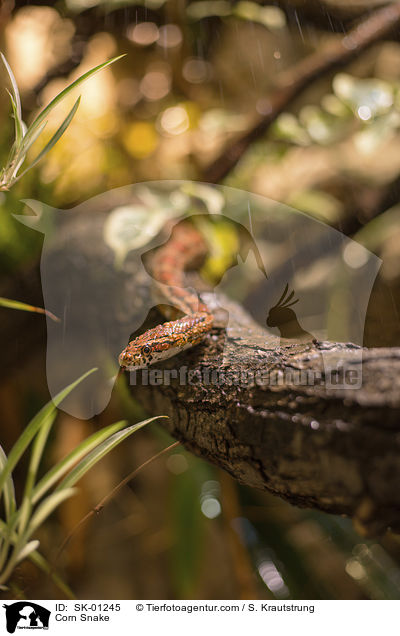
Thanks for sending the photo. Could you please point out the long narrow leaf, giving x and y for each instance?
(40, 562)
(15, 90)
(27, 549)
(37, 452)
(19, 130)
(46, 508)
(57, 135)
(16, 304)
(58, 98)
(34, 425)
(22, 517)
(83, 449)
(36, 456)
(98, 453)
(8, 489)
(8, 535)
(28, 142)
(20, 153)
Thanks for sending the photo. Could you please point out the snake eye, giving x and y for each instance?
(146, 349)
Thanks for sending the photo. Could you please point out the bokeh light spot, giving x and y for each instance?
(355, 255)
(141, 139)
(170, 36)
(143, 34)
(174, 120)
(364, 113)
(177, 463)
(211, 508)
(155, 85)
(196, 70)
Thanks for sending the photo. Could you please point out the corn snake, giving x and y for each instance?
(185, 246)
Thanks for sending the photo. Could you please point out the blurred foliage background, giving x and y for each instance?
(195, 75)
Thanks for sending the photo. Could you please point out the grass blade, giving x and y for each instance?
(19, 130)
(10, 504)
(27, 143)
(47, 507)
(33, 427)
(83, 449)
(54, 138)
(16, 304)
(98, 453)
(22, 516)
(20, 153)
(36, 456)
(15, 90)
(24, 513)
(41, 563)
(37, 452)
(58, 98)
(27, 549)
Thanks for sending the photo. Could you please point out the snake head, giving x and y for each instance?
(137, 355)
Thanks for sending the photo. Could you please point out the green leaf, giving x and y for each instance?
(24, 513)
(27, 550)
(22, 517)
(15, 90)
(8, 488)
(54, 138)
(47, 507)
(44, 415)
(18, 155)
(40, 562)
(24, 137)
(98, 453)
(37, 452)
(36, 456)
(72, 458)
(28, 142)
(16, 304)
(58, 98)
(19, 130)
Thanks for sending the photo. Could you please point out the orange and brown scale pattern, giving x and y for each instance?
(185, 247)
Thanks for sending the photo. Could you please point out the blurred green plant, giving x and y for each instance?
(109, 5)
(41, 497)
(368, 109)
(269, 16)
(25, 136)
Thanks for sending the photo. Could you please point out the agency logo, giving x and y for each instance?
(118, 266)
(26, 615)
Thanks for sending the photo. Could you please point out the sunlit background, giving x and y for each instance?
(194, 75)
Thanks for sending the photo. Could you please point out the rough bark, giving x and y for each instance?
(329, 448)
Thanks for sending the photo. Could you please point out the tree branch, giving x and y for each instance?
(335, 449)
(296, 80)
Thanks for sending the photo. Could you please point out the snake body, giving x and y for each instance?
(185, 246)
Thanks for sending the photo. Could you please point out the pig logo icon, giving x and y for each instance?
(26, 615)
